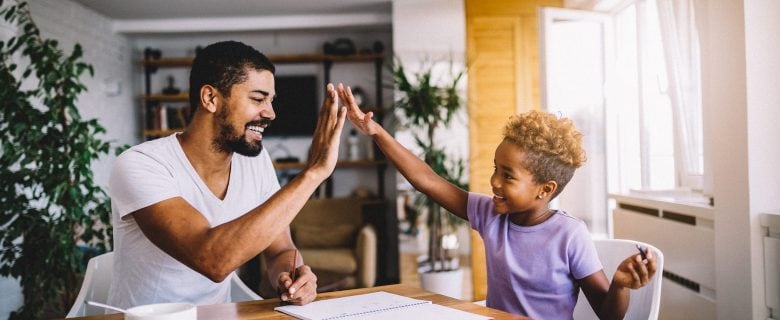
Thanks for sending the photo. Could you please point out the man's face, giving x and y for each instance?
(245, 114)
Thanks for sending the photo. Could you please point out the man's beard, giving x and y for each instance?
(227, 141)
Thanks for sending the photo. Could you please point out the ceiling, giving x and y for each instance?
(197, 16)
(178, 9)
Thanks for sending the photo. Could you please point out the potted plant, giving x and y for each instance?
(425, 105)
(50, 203)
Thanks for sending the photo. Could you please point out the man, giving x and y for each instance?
(190, 208)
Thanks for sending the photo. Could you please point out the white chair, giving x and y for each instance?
(646, 301)
(239, 291)
(97, 281)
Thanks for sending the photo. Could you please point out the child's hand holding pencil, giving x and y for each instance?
(637, 270)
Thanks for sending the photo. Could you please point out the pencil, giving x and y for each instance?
(295, 260)
(292, 278)
(642, 251)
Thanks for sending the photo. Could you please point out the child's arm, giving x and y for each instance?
(419, 174)
(610, 300)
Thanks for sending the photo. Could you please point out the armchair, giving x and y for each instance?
(336, 242)
(333, 238)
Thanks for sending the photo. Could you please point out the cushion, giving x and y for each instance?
(335, 260)
(323, 236)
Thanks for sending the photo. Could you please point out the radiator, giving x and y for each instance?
(685, 234)
(771, 221)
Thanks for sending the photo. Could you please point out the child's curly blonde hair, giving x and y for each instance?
(552, 145)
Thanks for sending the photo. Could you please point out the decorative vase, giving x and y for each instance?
(448, 283)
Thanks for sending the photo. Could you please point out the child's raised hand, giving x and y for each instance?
(634, 272)
(362, 121)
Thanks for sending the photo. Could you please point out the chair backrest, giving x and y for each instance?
(239, 291)
(646, 301)
(97, 281)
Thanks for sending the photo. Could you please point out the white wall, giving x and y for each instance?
(762, 43)
(109, 54)
(741, 61)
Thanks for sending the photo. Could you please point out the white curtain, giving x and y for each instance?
(681, 50)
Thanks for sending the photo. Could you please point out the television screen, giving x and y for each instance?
(295, 105)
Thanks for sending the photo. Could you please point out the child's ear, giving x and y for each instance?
(549, 188)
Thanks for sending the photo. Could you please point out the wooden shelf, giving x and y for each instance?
(286, 58)
(184, 96)
(161, 132)
(340, 164)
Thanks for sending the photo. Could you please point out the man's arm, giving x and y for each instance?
(419, 174)
(181, 231)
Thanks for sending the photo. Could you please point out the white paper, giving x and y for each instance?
(375, 306)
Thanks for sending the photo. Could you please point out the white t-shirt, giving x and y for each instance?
(158, 170)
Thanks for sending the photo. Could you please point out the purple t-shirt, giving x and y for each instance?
(532, 270)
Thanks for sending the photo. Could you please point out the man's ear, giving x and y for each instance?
(208, 98)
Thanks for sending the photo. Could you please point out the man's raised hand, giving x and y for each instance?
(324, 151)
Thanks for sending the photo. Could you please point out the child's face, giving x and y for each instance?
(514, 190)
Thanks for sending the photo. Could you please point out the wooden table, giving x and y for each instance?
(264, 309)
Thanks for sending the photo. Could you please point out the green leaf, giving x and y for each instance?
(10, 13)
(47, 188)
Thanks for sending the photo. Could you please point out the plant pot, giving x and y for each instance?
(448, 283)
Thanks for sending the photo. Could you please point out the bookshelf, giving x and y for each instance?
(154, 126)
(376, 211)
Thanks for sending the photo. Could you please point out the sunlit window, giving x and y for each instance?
(652, 149)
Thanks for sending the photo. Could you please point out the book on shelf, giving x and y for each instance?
(177, 116)
(163, 117)
(153, 116)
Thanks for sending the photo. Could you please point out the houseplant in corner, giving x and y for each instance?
(427, 104)
(50, 203)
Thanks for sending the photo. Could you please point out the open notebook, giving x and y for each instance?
(376, 306)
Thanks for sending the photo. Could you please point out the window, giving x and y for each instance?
(641, 115)
(658, 115)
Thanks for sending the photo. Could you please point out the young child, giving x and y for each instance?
(537, 258)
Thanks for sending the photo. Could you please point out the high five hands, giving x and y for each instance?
(324, 151)
(362, 121)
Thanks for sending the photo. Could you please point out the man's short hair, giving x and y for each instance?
(222, 65)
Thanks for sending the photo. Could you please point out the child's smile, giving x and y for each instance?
(514, 189)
